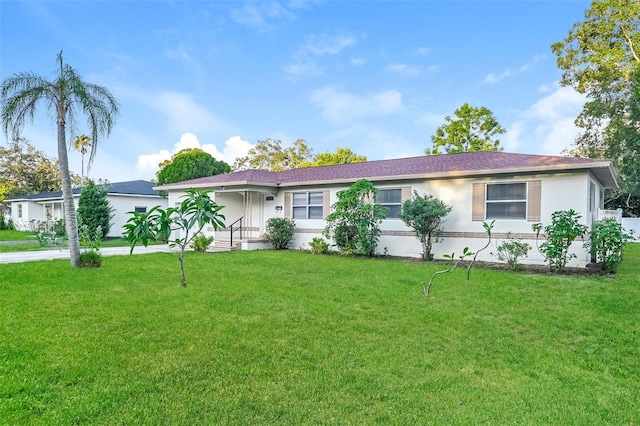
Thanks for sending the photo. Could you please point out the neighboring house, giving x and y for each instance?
(515, 190)
(29, 211)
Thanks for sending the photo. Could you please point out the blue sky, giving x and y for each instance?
(375, 76)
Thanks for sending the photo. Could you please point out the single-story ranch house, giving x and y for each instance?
(28, 211)
(515, 190)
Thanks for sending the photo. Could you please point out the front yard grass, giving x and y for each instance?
(277, 337)
(10, 235)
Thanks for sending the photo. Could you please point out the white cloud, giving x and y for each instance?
(303, 69)
(341, 107)
(304, 62)
(547, 126)
(410, 70)
(358, 61)
(493, 78)
(496, 78)
(259, 16)
(234, 147)
(423, 51)
(329, 44)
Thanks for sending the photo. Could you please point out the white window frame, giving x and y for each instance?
(399, 203)
(523, 201)
(305, 202)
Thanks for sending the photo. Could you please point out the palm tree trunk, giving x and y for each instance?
(70, 219)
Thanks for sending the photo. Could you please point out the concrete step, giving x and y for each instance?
(221, 245)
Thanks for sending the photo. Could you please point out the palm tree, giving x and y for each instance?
(80, 144)
(62, 96)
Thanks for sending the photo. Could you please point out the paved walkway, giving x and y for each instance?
(28, 256)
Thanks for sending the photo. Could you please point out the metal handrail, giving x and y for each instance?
(231, 230)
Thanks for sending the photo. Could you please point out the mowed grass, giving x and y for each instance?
(293, 338)
(34, 245)
(10, 235)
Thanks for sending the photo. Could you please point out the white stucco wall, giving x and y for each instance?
(122, 204)
(558, 192)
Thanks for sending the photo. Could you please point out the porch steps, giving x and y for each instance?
(221, 245)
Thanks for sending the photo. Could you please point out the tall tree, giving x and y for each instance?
(64, 96)
(599, 58)
(94, 211)
(190, 163)
(25, 170)
(341, 156)
(80, 144)
(623, 148)
(270, 155)
(474, 129)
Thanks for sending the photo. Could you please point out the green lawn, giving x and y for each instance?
(35, 246)
(6, 235)
(292, 338)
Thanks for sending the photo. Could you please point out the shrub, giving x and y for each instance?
(424, 215)
(354, 224)
(3, 223)
(59, 228)
(606, 241)
(90, 259)
(319, 246)
(279, 232)
(562, 232)
(510, 250)
(94, 209)
(201, 242)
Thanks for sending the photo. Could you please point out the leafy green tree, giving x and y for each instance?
(341, 156)
(424, 215)
(474, 129)
(623, 149)
(94, 211)
(25, 170)
(600, 58)
(600, 53)
(354, 224)
(64, 96)
(196, 211)
(190, 163)
(270, 155)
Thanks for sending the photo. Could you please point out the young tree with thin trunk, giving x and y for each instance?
(65, 95)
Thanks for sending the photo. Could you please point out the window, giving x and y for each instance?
(506, 201)
(19, 211)
(592, 196)
(307, 205)
(392, 200)
(140, 209)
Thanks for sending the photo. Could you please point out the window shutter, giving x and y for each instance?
(534, 200)
(478, 202)
(406, 193)
(287, 204)
(325, 204)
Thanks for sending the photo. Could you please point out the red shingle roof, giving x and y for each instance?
(447, 165)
